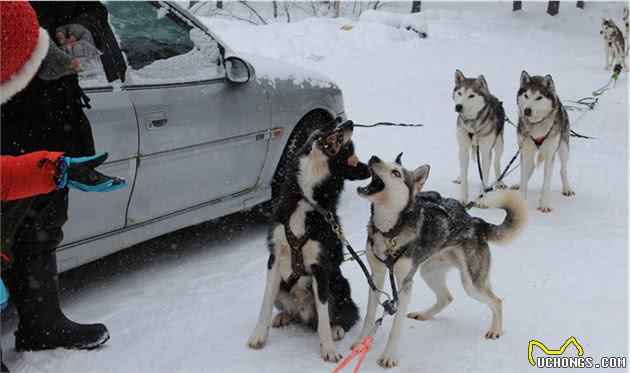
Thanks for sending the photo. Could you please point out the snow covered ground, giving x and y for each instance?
(188, 302)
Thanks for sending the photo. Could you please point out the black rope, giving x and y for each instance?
(575, 134)
(389, 124)
(471, 204)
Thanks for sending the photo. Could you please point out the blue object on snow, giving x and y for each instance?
(4, 296)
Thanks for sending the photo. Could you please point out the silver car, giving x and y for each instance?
(197, 132)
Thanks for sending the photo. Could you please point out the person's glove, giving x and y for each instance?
(79, 173)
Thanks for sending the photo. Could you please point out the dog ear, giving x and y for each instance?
(482, 82)
(548, 83)
(399, 159)
(459, 77)
(525, 78)
(420, 176)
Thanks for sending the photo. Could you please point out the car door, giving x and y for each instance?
(115, 131)
(201, 138)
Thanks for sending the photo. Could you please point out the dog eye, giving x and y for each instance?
(396, 173)
(471, 96)
(526, 96)
(538, 98)
(459, 93)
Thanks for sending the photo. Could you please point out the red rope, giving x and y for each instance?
(362, 349)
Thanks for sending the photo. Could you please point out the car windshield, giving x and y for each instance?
(161, 46)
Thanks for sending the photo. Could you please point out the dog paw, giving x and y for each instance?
(256, 342)
(418, 316)
(568, 193)
(493, 334)
(544, 209)
(481, 205)
(281, 320)
(338, 333)
(501, 185)
(515, 187)
(388, 360)
(330, 355)
(457, 181)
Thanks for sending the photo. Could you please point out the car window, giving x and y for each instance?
(161, 47)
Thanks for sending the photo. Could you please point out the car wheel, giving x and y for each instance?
(311, 122)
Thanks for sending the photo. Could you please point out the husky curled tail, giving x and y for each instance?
(514, 221)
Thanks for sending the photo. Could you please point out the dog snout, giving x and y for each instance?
(373, 160)
(527, 112)
(459, 108)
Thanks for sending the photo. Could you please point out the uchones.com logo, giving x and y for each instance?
(558, 358)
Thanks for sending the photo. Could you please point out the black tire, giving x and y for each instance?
(311, 122)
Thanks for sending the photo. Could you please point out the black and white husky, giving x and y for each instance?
(433, 234)
(321, 296)
(543, 127)
(480, 122)
(614, 44)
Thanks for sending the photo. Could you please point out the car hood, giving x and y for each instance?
(271, 72)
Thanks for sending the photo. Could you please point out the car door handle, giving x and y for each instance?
(156, 120)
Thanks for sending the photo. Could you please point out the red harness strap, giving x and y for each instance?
(538, 141)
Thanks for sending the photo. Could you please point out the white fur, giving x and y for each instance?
(313, 170)
(540, 106)
(20, 79)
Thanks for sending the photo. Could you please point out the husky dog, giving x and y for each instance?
(302, 244)
(543, 126)
(614, 44)
(434, 234)
(479, 123)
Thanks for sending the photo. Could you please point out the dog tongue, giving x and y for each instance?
(353, 160)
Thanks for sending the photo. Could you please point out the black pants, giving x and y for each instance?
(33, 225)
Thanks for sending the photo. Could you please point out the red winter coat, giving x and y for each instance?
(24, 176)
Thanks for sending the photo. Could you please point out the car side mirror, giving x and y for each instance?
(238, 70)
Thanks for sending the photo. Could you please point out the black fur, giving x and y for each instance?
(332, 286)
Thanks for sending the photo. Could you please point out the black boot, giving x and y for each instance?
(34, 290)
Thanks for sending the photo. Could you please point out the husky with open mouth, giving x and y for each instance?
(415, 229)
(303, 275)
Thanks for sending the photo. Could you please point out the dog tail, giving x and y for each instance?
(515, 220)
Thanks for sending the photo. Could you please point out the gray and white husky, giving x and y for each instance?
(614, 44)
(543, 127)
(480, 122)
(434, 234)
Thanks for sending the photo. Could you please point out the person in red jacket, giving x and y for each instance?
(26, 50)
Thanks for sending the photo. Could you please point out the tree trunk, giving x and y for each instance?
(337, 4)
(517, 5)
(553, 8)
(580, 4)
(219, 4)
(275, 8)
(415, 6)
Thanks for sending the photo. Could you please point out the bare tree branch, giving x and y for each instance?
(251, 9)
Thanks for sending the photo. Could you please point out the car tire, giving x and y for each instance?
(308, 124)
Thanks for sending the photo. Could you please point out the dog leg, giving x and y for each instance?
(321, 291)
(486, 159)
(463, 172)
(563, 154)
(434, 271)
(259, 337)
(378, 274)
(498, 152)
(527, 169)
(475, 272)
(544, 205)
(404, 271)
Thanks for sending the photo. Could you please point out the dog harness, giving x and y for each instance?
(297, 258)
(454, 211)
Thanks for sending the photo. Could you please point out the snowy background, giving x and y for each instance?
(189, 301)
